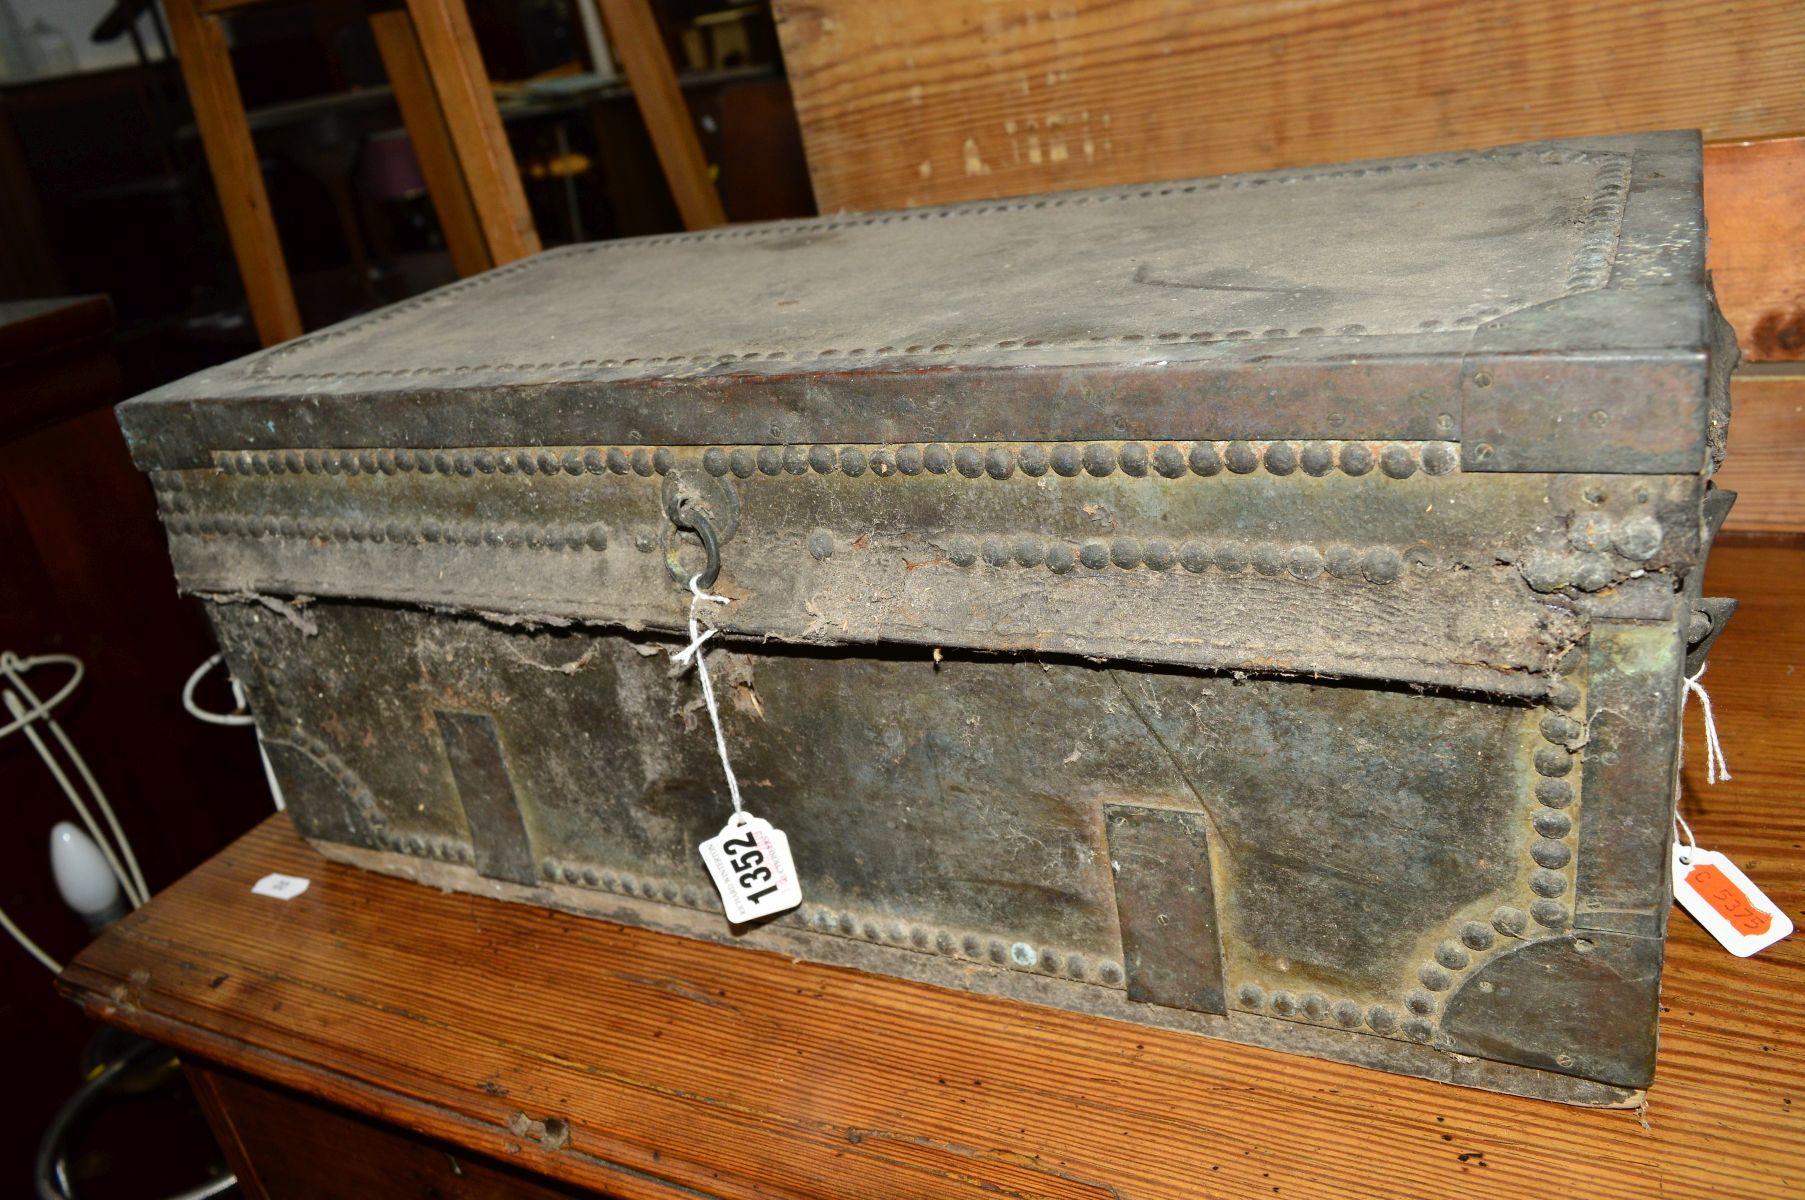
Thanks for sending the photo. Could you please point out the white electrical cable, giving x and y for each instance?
(14, 667)
(31, 947)
(214, 718)
(11, 663)
(14, 706)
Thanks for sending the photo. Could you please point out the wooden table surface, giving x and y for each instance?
(681, 1067)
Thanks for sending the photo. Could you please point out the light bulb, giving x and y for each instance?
(83, 877)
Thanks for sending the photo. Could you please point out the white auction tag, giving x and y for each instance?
(282, 887)
(751, 867)
(1731, 908)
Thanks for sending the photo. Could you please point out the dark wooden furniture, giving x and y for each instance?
(596, 1056)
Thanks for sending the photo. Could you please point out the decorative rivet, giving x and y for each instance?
(311, 460)
(571, 874)
(1241, 458)
(1553, 761)
(1381, 1019)
(770, 460)
(822, 459)
(1284, 1003)
(1231, 557)
(1552, 824)
(1033, 460)
(1317, 459)
(1550, 914)
(1110, 973)
(996, 551)
(572, 462)
(1397, 461)
(1304, 562)
(523, 460)
(795, 460)
(999, 953)
(943, 942)
(1049, 961)
(1065, 460)
(1281, 459)
(1509, 921)
(1315, 1006)
(1204, 460)
(1028, 551)
(1419, 1002)
(1098, 460)
(1169, 461)
(1347, 1014)
(908, 460)
(1548, 883)
(1592, 572)
(1551, 854)
(969, 945)
(597, 538)
(616, 458)
(999, 463)
(938, 459)
(1451, 956)
(883, 463)
(1418, 1030)
(1356, 458)
(1638, 538)
(1439, 458)
(743, 463)
(1382, 565)
(1563, 694)
(963, 551)
(1060, 558)
(1158, 556)
(548, 463)
(968, 461)
(590, 877)
(1251, 996)
(1589, 531)
(1268, 558)
(1194, 557)
(1476, 936)
(1125, 553)
(1133, 459)
(1342, 561)
(1094, 555)
(918, 937)
(549, 869)
(852, 462)
(1433, 977)
(1560, 730)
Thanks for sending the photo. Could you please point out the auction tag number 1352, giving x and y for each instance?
(751, 866)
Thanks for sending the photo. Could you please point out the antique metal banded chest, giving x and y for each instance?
(1255, 605)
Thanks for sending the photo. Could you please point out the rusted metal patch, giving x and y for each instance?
(479, 766)
(1166, 898)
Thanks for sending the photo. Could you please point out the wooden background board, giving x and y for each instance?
(679, 1064)
(943, 100)
(1765, 465)
(1755, 203)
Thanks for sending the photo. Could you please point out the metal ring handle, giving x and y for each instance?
(690, 516)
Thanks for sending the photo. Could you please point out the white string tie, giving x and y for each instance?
(1716, 766)
(698, 634)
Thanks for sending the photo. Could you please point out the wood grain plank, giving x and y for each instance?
(682, 1065)
(636, 39)
(200, 43)
(1765, 465)
(455, 64)
(431, 140)
(940, 100)
(1755, 202)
